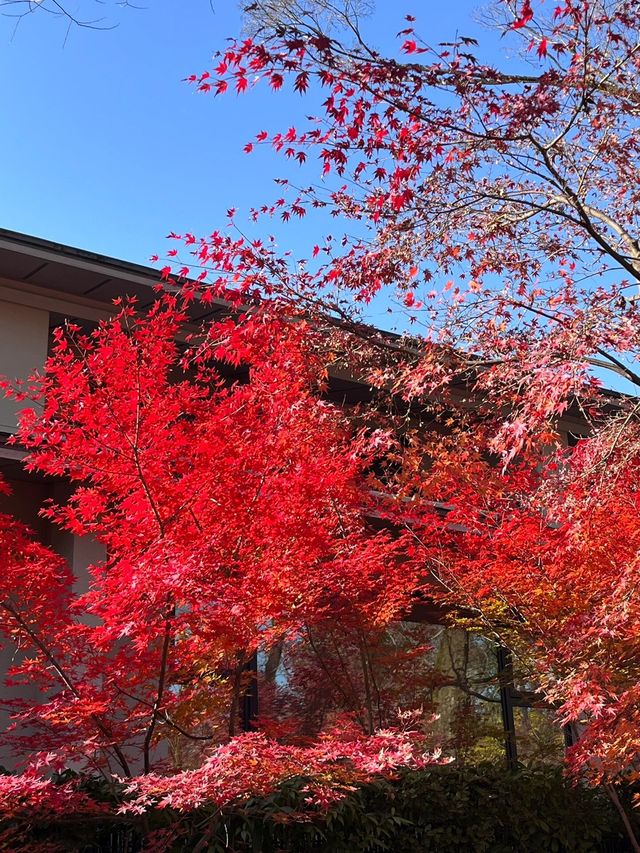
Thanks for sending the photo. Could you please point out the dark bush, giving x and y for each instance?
(444, 809)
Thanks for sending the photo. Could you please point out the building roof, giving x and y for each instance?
(81, 285)
(77, 284)
(78, 273)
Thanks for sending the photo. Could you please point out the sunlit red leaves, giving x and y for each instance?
(301, 83)
(218, 501)
(486, 179)
(276, 80)
(252, 765)
(525, 16)
(553, 565)
(229, 512)
(31, 795)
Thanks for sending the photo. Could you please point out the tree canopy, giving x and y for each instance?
(495, 208)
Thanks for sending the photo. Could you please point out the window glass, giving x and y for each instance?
(307, 685)
(539, 739)
(466, 695)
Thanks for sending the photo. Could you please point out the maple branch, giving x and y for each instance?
(619, 366)
(633, 413)
(615, 799)
(234, 708)
(135, 444)
(482, 75)
(165, 715)
(581, 207)
(333, 679)
(367, 686)
(58, 9)
(68, 682)
(160, 693)
(629, 242)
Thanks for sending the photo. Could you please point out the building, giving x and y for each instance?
(41, 285)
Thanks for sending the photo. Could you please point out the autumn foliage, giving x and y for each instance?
(241, 510)
(498, 208)
(232, 504)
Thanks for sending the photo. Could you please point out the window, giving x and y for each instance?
(459, 676)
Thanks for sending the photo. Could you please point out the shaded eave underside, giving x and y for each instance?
(96, 280)
(86, 276)
(81, 274)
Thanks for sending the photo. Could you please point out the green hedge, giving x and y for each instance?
(444, 809)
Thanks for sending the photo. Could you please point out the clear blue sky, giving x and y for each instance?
(103, 147)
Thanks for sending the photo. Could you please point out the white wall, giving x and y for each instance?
(24, 503)
(24, 336)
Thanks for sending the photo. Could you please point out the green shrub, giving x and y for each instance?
(444, 809)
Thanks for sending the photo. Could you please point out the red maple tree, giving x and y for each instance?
(501, 204)
(233, 504)
(499, 207)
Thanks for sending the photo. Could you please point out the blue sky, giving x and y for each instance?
(104, 147)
